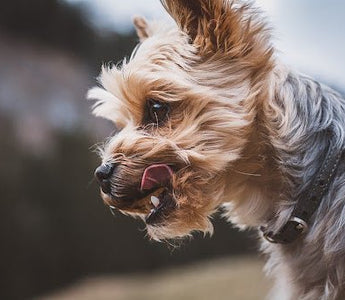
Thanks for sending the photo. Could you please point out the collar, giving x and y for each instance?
(305, 207)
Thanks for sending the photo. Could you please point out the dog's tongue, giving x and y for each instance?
(155, 176)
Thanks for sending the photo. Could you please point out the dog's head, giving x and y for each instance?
(184, 104)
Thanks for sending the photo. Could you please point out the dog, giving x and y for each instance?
(209, 118)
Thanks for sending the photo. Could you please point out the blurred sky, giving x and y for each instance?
(309, 33)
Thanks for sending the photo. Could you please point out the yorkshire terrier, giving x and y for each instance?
(209, 118)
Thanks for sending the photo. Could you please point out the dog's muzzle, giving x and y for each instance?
(103, 175)
(150, 195)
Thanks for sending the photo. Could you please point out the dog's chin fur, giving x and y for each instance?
(244, 133)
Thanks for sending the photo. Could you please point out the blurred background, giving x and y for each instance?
(58, 241)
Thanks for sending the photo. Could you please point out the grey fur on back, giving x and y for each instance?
(314, 266)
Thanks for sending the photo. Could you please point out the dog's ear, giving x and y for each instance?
(216, 25)
(142, 27)
(188, 14)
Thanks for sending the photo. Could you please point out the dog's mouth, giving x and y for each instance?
(162, 205)
(154, 199)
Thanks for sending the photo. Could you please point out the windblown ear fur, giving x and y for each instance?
(142, 27)
(233, 27)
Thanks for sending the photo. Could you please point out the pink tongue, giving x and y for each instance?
(155, 176)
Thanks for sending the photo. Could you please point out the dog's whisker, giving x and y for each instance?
(91, 181)
(112, 210)
(248, 174)
(157, 120)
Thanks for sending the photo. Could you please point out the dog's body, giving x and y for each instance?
(210, 118)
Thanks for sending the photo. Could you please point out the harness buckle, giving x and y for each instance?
(301, 225)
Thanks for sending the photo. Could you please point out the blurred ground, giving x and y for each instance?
(235, 278)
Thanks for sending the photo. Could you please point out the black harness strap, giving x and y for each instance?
(309, 202)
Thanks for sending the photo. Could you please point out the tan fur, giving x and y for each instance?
(233, 133)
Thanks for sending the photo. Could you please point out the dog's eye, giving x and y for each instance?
(156, 112)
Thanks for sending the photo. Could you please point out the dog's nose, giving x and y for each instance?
(103, 174)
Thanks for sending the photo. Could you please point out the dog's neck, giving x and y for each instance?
(277, 163)
(255, 181)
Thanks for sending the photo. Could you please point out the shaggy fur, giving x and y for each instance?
(244, 133)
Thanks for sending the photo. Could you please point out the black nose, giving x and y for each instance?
(103, 174)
